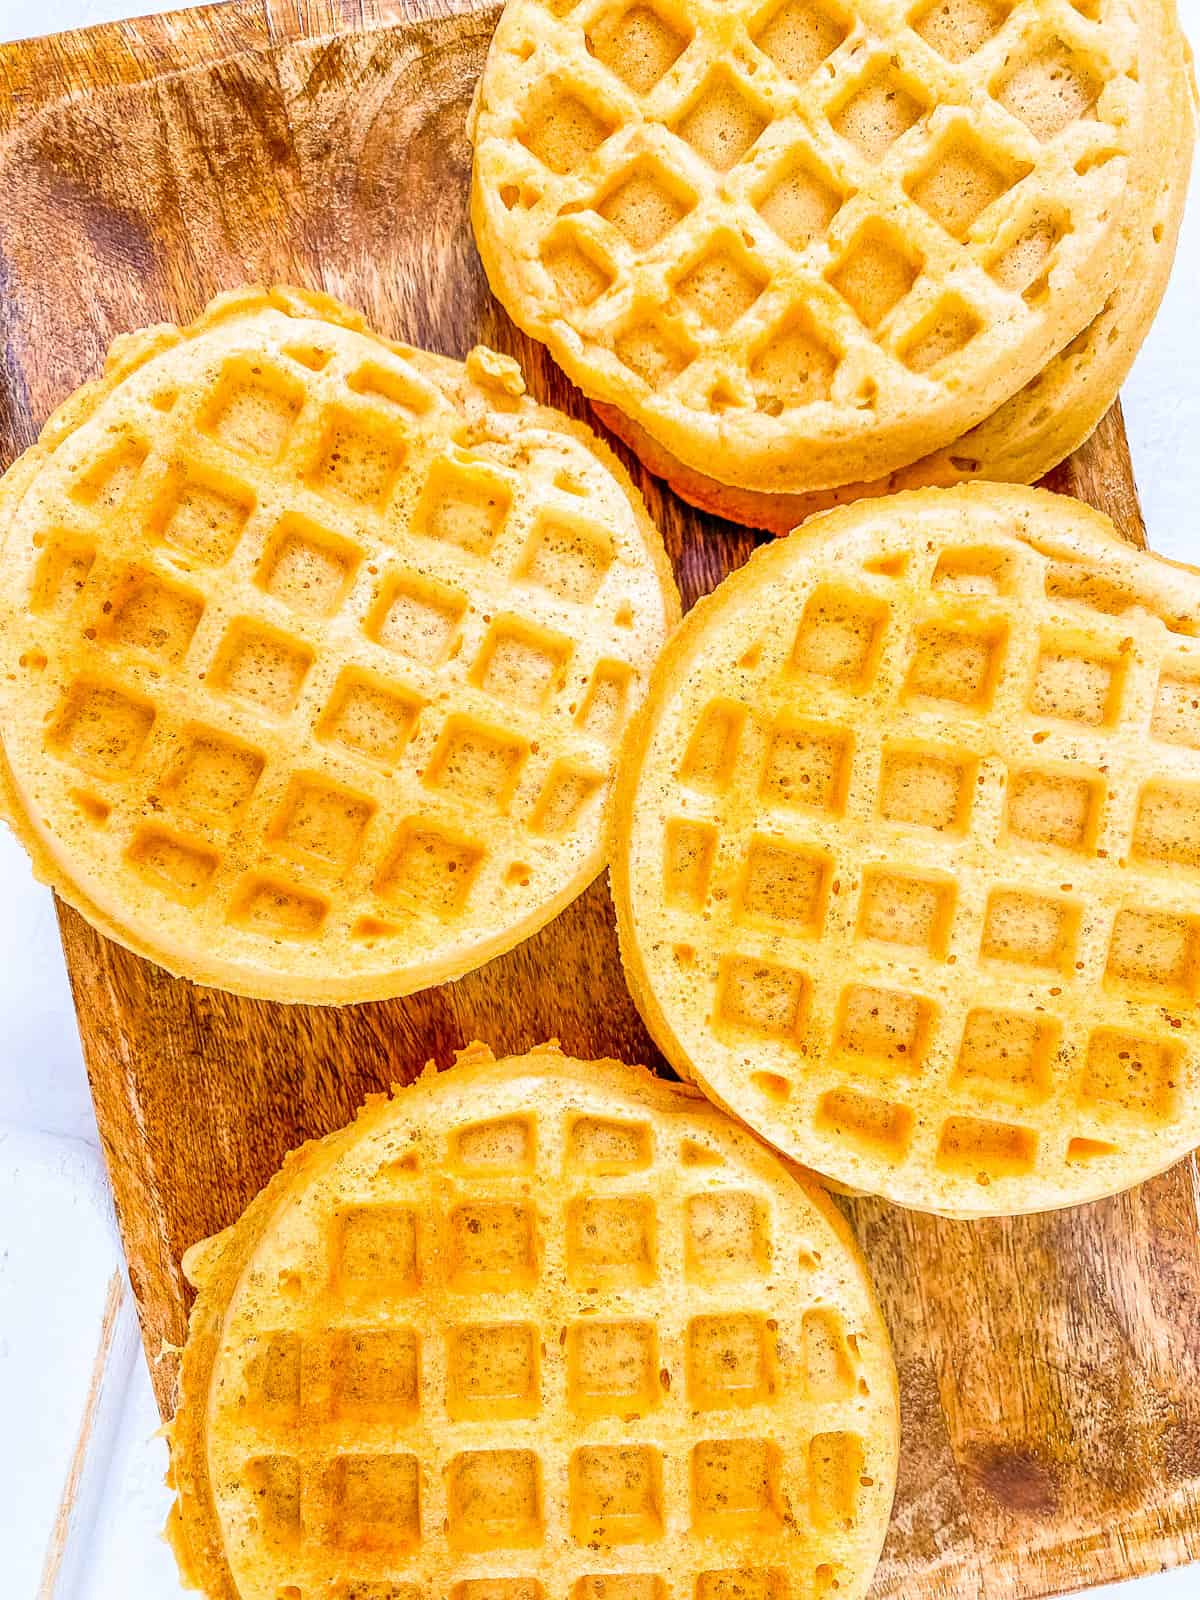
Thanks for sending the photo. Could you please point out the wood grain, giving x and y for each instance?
(1051, 1366)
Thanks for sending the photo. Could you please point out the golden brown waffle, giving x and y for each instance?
(803, 244)
(534, 1328)
(907, 850)
(1044, 421)
(315, 652)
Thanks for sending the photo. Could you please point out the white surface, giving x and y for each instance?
(50, 1323)
(53, 1207)
(126, 1557)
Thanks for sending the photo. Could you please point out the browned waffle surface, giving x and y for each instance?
(909, 851)
(535, 1327)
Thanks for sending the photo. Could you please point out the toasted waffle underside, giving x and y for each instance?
(802, 244)
(316, 650)
(531, 1329)
(908, 851)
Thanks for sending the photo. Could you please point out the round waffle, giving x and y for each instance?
(803, 244)
(315, 650)
(907, 851)
(1044, 421)
(534, 1327)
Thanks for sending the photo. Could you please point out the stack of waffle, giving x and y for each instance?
(799, 252)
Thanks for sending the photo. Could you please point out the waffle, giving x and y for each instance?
(315, 650)
(907, 851)
(803, 244)
(1044, 421)
(534, 1327)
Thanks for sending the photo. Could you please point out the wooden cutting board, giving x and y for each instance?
(1050, 1366)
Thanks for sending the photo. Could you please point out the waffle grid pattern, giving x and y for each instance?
(763, 208)
(562, 1344)
(348, 661)
(929, 871)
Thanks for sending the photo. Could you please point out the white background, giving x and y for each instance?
(57, 1248)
